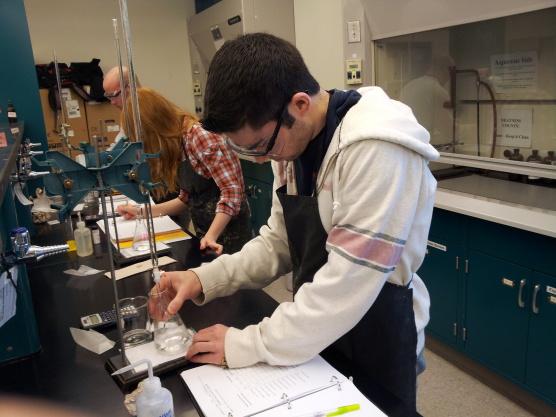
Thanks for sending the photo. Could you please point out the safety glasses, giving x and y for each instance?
(261, 150)
(114, 94)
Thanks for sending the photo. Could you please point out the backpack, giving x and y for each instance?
(74, 77)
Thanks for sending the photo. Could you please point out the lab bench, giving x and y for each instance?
(66, 373)
(490, 273)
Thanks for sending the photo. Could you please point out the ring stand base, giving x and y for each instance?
(129, 380)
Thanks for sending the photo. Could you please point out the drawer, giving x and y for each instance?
(521, 247)
(446, 225)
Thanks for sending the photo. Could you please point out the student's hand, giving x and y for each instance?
(127, 211)
(181, 286)
(208, 345)
(210, 246)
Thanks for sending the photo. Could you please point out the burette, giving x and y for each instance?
(136, 115)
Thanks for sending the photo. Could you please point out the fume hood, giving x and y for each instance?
(209, 29)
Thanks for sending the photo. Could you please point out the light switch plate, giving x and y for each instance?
(354, 31)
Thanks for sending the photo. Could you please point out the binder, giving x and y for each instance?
(262, 390)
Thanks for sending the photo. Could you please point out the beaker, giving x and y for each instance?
(136, 323)
(170, 334)
(141, 236)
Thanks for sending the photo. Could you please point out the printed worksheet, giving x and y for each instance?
(274, 391)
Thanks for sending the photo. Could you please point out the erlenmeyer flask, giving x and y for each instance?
(141, 236)
(170, 334)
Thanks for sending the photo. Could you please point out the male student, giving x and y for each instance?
(112, 86)
(352, 205)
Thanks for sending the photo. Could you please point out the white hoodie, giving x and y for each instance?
(375, 195)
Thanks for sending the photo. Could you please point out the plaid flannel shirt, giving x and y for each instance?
(211, 157)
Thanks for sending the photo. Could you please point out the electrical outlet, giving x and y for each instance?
(197, 89)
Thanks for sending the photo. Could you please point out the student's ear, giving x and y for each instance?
(301, 104)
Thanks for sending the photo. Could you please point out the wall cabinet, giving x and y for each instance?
(495, 287)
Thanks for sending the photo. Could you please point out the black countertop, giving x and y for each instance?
(67, 373)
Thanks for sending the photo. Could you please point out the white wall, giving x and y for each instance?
(81, 32)
(159, 39)
(319, 37)
(161, 48)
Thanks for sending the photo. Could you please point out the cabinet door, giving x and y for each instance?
(440, 274)
(541, 363)
(259, 195)
(497, 313)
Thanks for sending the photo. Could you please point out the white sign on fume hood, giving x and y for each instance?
(515, 73)
(515, 128)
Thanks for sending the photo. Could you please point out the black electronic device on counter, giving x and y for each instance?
(106, 318)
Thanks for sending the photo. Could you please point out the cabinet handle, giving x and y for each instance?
(519, 299)
(535, 292)
(455, 329)
(467, 266)
(251, 191)
(457, 262)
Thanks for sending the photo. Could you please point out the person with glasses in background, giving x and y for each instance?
(352, 205)
(113, 92)
(197, 165)
(113, 88)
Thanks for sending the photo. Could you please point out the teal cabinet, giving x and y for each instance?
(493, 298)
(440, 272)
(258, 180)
(19, 336)
(497, 313)
(540, 372)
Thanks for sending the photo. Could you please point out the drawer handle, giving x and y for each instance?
(519, 298)
(535, 308)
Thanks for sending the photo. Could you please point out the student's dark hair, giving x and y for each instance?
(250, 80)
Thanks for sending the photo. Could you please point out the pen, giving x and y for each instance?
(334, 412)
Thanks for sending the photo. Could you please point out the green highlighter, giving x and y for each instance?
(334, 412)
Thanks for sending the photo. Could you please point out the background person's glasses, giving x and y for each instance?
(114, 94)
(247, 151)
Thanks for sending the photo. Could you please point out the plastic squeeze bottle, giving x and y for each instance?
(154, 400)
(83, 240)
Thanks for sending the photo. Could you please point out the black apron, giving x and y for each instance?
(384, 342)
(204, 195)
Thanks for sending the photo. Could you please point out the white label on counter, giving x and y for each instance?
(436, 245)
